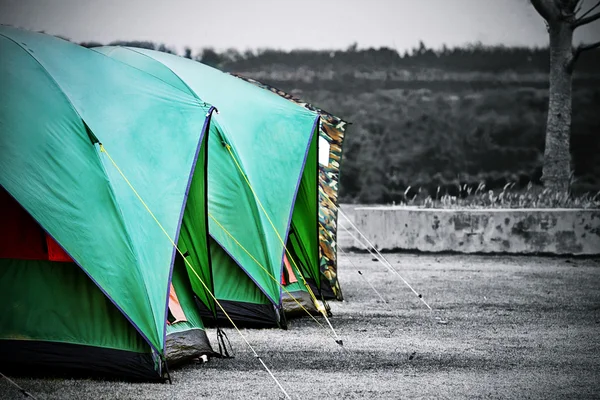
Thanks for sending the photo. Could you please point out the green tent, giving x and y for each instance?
(332, 130)
(89, 282)
(262, 189)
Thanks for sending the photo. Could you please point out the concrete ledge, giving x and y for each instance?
(519, 231)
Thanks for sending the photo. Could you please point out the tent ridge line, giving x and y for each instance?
(203, 137)
(134, 50)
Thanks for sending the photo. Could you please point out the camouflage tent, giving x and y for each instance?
(331, 132)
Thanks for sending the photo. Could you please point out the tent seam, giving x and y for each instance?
(112, 49)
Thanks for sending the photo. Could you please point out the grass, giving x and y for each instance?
(479, 197)
(517, 327)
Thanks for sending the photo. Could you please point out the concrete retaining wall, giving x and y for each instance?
(522, 231)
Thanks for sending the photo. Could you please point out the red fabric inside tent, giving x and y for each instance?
(287, 275)
(21, 237)
(55, 252)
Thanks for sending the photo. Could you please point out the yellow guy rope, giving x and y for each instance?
(103, 150)
(264, 269)
(312, 295)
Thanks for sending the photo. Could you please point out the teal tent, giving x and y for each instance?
(89, 282)
(262, 189)
(332, 131)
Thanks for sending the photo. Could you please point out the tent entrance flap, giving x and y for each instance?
(193, 236)
(303, 236)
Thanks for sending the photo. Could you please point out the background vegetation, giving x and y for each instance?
(432, 118)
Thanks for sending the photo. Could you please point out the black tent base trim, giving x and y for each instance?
(54, 359)
(245, 315)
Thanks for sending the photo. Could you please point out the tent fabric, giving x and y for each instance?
(332, 130)
(193, 238)
(260, 143)
(59, 100)
(303, 235)
(78, 313)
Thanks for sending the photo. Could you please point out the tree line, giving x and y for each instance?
(431, 119)
(473, 57)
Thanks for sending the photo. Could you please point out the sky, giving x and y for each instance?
(289, 24)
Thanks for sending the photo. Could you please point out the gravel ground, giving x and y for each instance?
(501, 327)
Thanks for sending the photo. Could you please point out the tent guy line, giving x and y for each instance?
(103, 150)
(381, 258)
(371, 285)
(268, 273)
(357, 270)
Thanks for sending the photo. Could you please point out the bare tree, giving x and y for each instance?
(561, 20)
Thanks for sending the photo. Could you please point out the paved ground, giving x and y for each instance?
(508, 327)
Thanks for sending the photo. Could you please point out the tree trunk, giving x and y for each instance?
(557, 156)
